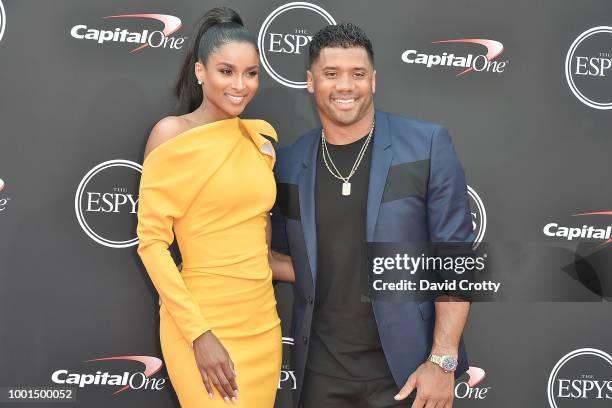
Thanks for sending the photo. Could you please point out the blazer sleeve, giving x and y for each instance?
(448, 210)
(165, 194)
(279, 232)
(280, 242)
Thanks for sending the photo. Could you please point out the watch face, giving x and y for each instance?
(448, 363)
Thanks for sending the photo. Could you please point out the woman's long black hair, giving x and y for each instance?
(217, 27)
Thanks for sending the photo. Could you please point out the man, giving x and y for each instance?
(366, 176)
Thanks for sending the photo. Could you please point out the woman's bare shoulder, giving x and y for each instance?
(164, 130)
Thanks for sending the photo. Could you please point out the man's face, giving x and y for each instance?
(343, 82)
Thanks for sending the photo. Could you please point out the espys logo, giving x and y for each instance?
(2, 20)
(283, 39)
(581, 378)
(129, 380)
(287, 376)
(3, 200)
(470, 62)
(479, 216)
(146, 38)
(468, 389)
(106, 203)
(585, 232)
(588, 67)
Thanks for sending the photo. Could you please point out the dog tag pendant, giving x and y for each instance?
(346, 188)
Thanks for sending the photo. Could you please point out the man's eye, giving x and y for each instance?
(330, 74)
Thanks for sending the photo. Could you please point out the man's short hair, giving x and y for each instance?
(343, 35)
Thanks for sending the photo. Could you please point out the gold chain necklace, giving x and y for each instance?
(346, 185)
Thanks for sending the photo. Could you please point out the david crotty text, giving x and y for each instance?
(424, 285)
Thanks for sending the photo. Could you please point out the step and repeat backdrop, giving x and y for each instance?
(525, 88)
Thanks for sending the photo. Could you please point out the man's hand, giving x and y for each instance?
(435, 388)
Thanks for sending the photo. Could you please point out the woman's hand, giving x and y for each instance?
(216, 366)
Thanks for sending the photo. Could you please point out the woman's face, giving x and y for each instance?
(229, 79)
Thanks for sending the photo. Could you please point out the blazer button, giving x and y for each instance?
(305, 340)
(309, 300)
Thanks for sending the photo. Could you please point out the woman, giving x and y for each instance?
(207, 175)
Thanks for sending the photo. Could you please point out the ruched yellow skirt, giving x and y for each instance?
(242, 314)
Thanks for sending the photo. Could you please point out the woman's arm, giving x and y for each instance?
(158, 206)
(164, 196)
(281, 265)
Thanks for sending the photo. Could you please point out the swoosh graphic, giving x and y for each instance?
(152, 365)
(171, 24)
(595, 213)
(494, 48)
(476, 376)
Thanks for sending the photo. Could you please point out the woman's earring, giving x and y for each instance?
(199, 82)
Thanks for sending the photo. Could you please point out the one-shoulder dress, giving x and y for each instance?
(212, 188)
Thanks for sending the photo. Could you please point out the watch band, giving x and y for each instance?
(435, 359)
(446, 363)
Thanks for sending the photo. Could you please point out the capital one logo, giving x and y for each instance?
(479, 216)
(581, 378)
(466, 62)
(583, 231)
(2, 20)
(143, 38)
(284, 37)
(128, 380)
(106, 203)
(469, 389)
(588, 67)
(3, 200)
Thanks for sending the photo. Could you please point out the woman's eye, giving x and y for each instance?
(253, 74)
(226, 72)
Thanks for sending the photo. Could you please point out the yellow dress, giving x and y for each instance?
(214, 186)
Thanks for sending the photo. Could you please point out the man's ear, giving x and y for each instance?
(310, 81)
(374, 82)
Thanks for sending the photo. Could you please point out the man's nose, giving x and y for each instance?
(345, 83)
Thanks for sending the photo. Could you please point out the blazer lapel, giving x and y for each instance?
(307, 201)
(381, 161)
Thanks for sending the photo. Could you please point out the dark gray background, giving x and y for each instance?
(532, 151)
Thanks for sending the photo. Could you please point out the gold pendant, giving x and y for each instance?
(346, 188)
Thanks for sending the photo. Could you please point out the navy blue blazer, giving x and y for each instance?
(417, 192)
